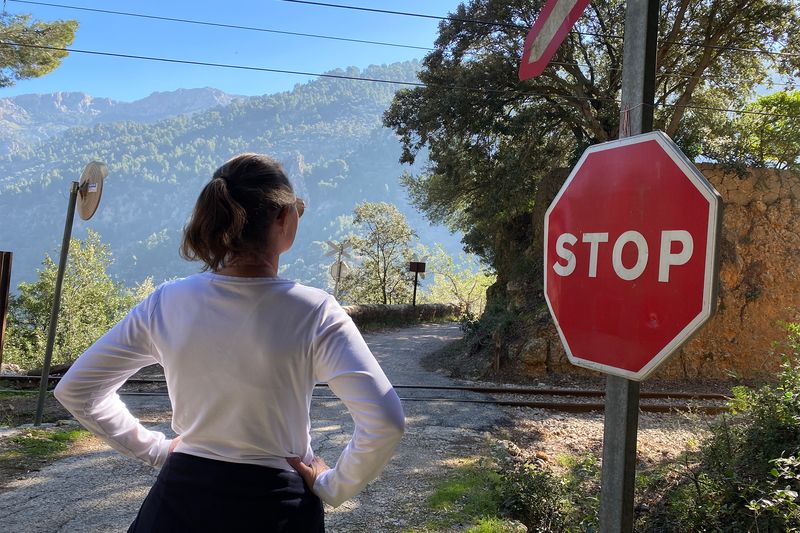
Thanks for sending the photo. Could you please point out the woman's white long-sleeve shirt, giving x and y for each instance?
(241, 357)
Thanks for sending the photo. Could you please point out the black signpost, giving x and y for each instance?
(417, 267)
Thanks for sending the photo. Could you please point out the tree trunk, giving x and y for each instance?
(533, 245)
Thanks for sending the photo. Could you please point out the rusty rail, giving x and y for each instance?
(580, 393)
(567, 407)
(562, 405)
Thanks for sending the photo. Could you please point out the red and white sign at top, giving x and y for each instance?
(548, 32)
(630, 255)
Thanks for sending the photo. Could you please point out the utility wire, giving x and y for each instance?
(207, 64)
(724, 110)
(508, 25)
(522, 27)
(732, 48)
(407, 14)
(219, 24)
(313, 35)
(302, 73)
(373, 80)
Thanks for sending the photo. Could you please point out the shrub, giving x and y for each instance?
(746, 475)
(534, 496)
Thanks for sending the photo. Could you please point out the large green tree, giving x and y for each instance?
(27, 46)
(491, 138)
(462, 282)
(91, 303)
(383, 241)
(767, 136)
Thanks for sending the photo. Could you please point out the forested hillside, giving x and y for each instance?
(32, 118)
(327, 133)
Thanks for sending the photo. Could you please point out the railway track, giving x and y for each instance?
(565, 400)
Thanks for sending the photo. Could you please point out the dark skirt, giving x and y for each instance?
(194, 494)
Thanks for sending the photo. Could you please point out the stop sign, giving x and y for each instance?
(630, 255)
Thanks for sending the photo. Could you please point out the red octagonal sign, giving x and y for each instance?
(630, 255)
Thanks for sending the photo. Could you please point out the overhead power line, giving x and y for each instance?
(320, 36)
(526, 28)
(408, 14)
(207, 64)
(508, 25)
(219, 24)
(732, 49)
(365, 79)
(725, 110)
(298, 72)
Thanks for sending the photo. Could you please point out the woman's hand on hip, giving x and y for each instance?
(309, 473)
(174, 443)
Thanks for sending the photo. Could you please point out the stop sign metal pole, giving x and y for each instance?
(621, 422)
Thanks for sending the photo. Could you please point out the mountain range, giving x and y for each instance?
(162, 149)
(32, 118)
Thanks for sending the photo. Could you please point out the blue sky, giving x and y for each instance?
(129, 79)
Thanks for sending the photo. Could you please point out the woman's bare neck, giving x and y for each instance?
(250, 269)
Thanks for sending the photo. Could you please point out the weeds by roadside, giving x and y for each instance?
(40, 444)
(19, 407)
(746, 475)
(468, 497)
(505, 493)
(33, 449)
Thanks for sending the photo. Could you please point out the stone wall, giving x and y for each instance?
(398, 314)
(759, 286)
(759, 276)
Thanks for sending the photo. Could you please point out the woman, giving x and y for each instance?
(242, 350)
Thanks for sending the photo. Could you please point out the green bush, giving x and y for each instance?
(504, 492)
(91, 303)
(781, 498)
(534, 496)
(545, 501)
(746, 475)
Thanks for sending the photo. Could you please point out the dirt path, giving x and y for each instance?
(100, 490)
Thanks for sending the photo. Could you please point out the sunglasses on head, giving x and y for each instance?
(300, 206)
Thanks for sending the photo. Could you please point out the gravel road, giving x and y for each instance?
(100, 490)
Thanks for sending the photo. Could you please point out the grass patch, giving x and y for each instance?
(16, 393)
(469, 498)
(503, 493)
(471, 486)
(494, 525)
(34, 449)
(40, 444)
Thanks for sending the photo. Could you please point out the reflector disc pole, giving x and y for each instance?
(51, 334)
(5, 286)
